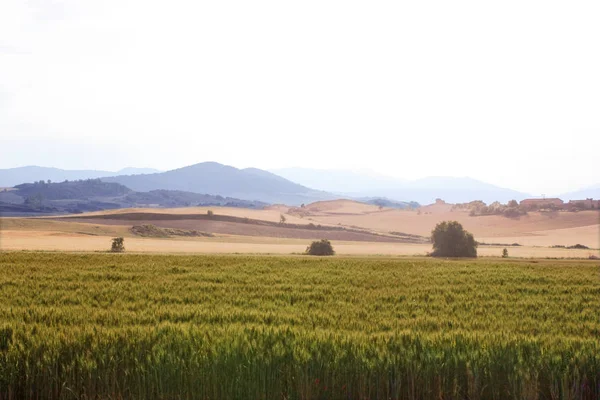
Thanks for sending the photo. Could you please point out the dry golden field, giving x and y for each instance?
(354, 228)
(536, 229)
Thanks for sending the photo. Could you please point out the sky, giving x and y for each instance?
(505, 92)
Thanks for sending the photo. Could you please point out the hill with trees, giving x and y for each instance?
(96, 195)
(29, 174)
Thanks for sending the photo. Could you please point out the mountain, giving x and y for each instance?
(292, 186)
(457, 190)
(424, 191)
(592, 192)
(224, 180)
(15, 176)
(337, 180)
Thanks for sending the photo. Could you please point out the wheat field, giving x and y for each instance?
(271, 327)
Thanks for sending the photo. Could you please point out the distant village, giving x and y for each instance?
(556, 203)
(514, 209)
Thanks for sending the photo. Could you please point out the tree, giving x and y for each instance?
(513, 204)
(282, 219)
(321, 247)
(451, 240)
(34, 201)
(210, 213)
(118, 245)
(504, 253)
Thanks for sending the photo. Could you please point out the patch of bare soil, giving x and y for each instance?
(230, 225)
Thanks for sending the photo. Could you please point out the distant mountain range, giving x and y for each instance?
(292, 186)
(592, 192)
(338, 181)
(424, 191)
(15, 176)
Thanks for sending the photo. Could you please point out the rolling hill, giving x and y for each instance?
(95, 195)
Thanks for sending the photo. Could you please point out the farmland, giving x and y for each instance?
(354, 228)
(158, 326)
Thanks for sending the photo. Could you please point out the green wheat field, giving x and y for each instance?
(127, 326)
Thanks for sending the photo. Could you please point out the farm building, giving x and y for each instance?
(541, 203)
(587, 204)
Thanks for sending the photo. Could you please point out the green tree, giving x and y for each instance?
(118, 245)
(321, 247)
(451, 240)
(504, 253)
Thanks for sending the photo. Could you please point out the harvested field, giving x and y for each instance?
(547, 228)
(268, 215)
(230, 225)
(537, 228)
(61, 241)
(361, 230)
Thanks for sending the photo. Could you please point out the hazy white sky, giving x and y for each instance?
(507, 92)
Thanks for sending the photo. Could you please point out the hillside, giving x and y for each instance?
(96, 195)
(71, 190)
(215, 178)
(15, 176)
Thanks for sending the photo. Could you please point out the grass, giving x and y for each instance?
(155, 326)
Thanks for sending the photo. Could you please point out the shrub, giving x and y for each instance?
(118, 245)
(513, 212)
(578, 246)
(504, 253)
(282, 219)
(321, 247)
(451, 240)
(210, 213)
